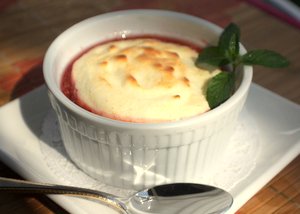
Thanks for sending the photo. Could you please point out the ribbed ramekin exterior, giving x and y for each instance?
(131, 155)
(135, 159)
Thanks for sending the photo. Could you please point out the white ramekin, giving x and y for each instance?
(134, 155)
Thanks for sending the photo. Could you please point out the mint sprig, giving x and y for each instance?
(227, 54)
(265, 58)
(220, 88)
(229, 42)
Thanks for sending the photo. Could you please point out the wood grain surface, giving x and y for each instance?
(27, 27)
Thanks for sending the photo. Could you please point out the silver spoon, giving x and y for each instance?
(176, 198)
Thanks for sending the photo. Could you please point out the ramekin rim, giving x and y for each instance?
(242, 90)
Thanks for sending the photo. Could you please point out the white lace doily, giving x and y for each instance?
(239, 161)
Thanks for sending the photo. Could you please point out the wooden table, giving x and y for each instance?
(27, 28)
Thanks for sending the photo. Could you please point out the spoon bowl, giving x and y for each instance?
(175, 198)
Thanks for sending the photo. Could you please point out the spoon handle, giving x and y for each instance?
(22, 186)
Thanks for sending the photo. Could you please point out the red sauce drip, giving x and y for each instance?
(68, 85)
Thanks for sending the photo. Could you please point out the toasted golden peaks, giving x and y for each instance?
(160, 63)
(142, 80)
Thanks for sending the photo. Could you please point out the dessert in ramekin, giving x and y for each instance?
(131, 154)
(142, 79)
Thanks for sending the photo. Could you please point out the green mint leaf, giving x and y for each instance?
(211, 58)
(220, 88)
(265, 58)
(229, 41)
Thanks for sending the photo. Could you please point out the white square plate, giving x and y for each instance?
(273, 120)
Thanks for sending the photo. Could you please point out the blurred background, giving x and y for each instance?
(27, 27)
